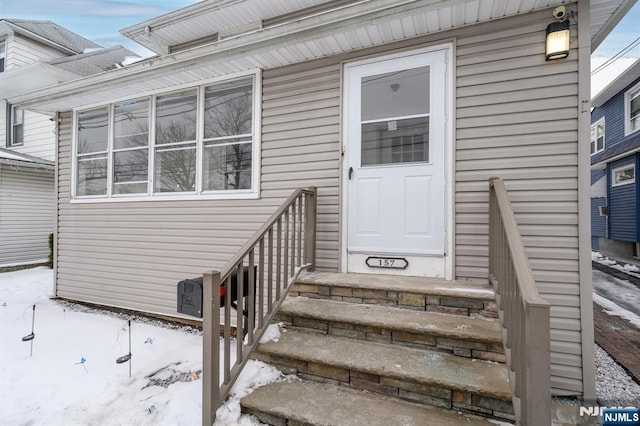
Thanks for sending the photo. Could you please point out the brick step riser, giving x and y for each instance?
(420, 393)
(485, 351)
(421, 302)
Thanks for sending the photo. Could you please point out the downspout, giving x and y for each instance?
(584, 204)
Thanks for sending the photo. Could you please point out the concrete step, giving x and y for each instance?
(461, 335)
(426, 377)
(418, 293)
(308, 403)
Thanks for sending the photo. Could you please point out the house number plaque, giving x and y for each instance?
(387, 262)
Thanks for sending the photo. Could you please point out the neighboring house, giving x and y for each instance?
(35, 54)
(615, 147)
(398, 112)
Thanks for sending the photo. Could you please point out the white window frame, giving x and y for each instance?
(3, 54)
(199, 194)
(13, 112)
(635, 90)
(594, 142)
(624, 182)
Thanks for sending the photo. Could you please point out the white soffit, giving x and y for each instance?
(364, 24)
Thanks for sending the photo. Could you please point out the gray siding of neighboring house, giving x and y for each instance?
(516, 118)
(26, 214)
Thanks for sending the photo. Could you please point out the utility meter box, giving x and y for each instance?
(190, 297)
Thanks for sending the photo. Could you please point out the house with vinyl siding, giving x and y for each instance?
(615, 142)
(35, 54)
(399, 113)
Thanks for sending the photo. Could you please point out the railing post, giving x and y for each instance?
(210, 347)
(310, 224)
(535, 406)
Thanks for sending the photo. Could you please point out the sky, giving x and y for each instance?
(70, 376)
(100, 20)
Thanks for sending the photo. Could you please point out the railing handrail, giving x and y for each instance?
(267, 284)
(251, 243)
(516, 246)
(524, 316)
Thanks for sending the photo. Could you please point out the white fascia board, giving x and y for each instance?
(243, 43)
(613, 88)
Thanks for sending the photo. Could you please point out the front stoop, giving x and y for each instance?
(385, 341)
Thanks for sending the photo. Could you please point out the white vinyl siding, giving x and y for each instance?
(22, 51)
(38, 134)
(516, 117)
(26, 214)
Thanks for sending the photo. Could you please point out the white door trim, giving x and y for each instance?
(449, 149)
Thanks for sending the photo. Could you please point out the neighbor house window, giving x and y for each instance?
(15, 125)
(632, 110)
(196, 141)
(597, 136)
(3, 55)
(623, 175)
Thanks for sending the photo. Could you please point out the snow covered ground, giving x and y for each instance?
(72, 378)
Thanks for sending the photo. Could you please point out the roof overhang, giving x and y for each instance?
(33, 36)
(16, 159)
(348, 26)
(32, 77)
(623, 80)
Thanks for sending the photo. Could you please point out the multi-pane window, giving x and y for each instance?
(175, 163)
(16, 126)
(228, 136)
(3, 55)
(623, 175)
(194, 141)
(597, 136)
(92, 152)
(131, 147)
(632, 98)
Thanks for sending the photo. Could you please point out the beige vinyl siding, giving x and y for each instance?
(27, 205)
(22, 51)
(516, 118)
(132, 254)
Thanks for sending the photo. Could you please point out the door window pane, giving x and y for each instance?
(395, 94)
(131, 127)
(175, 169)
(92, 176)
(227, 166)
(93, 131)
(395, 141)
(176, 117)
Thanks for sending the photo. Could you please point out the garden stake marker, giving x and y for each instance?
(127, 357)
(30, 337)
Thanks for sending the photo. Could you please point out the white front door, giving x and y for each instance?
(395, 165)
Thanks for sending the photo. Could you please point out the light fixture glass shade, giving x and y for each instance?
(557, 40)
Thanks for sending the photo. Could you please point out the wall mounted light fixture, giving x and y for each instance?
(557, 40)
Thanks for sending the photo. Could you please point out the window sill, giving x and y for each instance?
(167, 197)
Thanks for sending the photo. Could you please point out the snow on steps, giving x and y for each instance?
(377, 336)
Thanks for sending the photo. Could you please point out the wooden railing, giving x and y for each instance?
(524, 315)
(271, 261)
